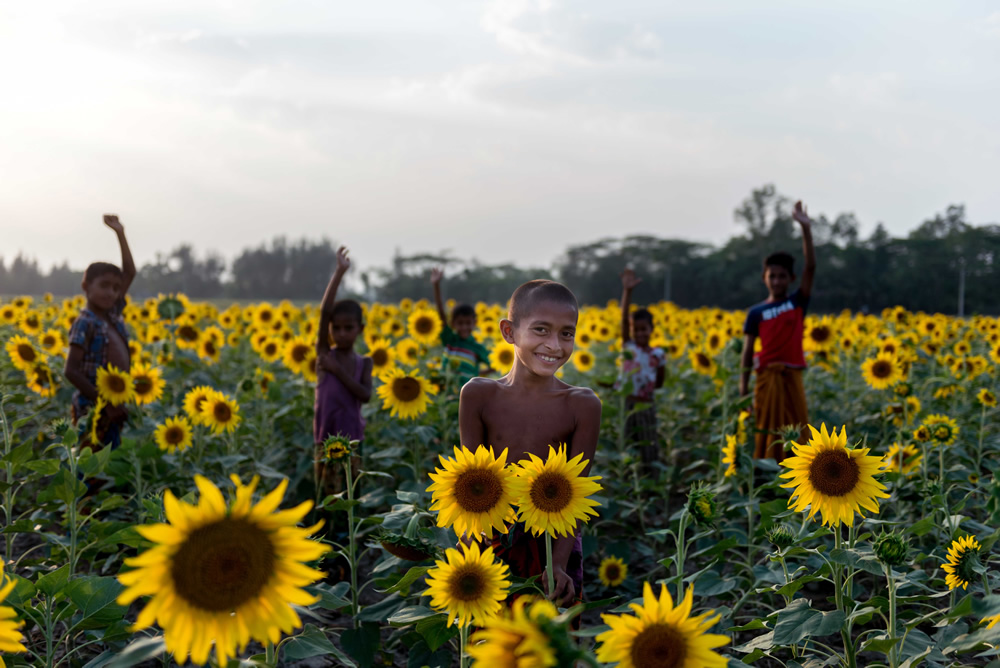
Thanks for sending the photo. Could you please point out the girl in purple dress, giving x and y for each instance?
(344, 378)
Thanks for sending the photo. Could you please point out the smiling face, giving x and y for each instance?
(543, 338)
(642, 331)
(463, 325)
(103, 292)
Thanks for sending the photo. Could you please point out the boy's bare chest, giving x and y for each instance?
(528, 425)
(118, 352)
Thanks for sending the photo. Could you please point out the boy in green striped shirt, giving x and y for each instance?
(461, 350)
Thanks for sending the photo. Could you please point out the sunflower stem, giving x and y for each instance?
(352, 556)
(270, 655)
(8, 495)
(838, 595)
(463, 640)
(550, 576)
(681, 549)
(893, 659)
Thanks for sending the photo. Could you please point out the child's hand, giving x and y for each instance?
(111, 220)
(437, 273)
(800, 215)
(116, 413)
(328, 363)
(343, 261)
(629, 279)
(565, 592)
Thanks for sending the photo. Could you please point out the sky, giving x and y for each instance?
(503, 130)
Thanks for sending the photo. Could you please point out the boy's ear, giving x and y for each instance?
(83, 284)
(507, 330)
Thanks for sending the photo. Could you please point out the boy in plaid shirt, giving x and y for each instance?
(98, 338)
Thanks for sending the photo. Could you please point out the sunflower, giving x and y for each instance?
(296, 353)
(405, 395)
(472, 492)
(220, 412)
(583, 360)
(309, 366)
(502, 356)
(264, 316)
(10, 637)
(829, 477)
(9, 314)
(408, 352)
(943, 429)
(209, 347)
(730, 456)
(22, 353)
(223, 573)
(963, 562)
(147, 383)
(173, 435)
(30, 322)
(702, 362)
(382, 354)
(903, 459)
(514, 637)
(552, 495)
(336, 448)
(922, 434)
(424, 325)
(40, 381)
(882, 371)
(819, 334)
(187, 336)
(986, 398)
(193, 401)
(52, 341)
(948, 390)
(661, 635)
(392, 327)
(612, 571)
(114, 385)
(270, 348)
(264, 379)
(470, 586)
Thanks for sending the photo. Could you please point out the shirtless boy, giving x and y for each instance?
(529, 409)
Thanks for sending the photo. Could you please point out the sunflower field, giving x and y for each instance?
(202, 539)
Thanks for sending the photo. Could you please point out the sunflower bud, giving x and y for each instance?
(892, 549)
(701, 505)
(902, 389)
(781, 536)
(336, 448)
(922, 434)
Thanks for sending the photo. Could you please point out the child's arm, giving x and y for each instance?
(363, 389)
(629, 281)
(746, 363)
(75, 375)
(128, 265)
(436, 275)
(587, 408)
(808, 251)
(470, 413)
(329, 298)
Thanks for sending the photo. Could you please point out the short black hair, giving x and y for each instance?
(350, 308)
(98, 269)
(780, 259)
(539, 290)
(462, 311)
(642, 314)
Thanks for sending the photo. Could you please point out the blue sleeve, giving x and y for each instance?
(800, 300)
(79, 333)
(752, 322)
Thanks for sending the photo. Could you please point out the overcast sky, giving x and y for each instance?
(503, 130)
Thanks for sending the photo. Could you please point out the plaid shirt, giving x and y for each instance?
(91, 332)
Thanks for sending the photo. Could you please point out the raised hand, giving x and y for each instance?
(629, 279)
(111, 220)
(343, 261)
(437, 273)
(800, 215)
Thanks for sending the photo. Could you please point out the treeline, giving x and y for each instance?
(943, 260)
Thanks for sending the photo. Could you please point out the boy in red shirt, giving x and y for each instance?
(779, 397)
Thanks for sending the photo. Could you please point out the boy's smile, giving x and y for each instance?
(543, 340)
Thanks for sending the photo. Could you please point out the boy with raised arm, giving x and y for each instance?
(643, 371)
(460, 347)
(530, 409)
(779, 396)
(98, 338)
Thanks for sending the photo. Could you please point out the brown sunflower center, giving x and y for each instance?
(467, 583)
(820, 334)
(611, 572)
(299, 353)
(713, 341)
(270, 349)
(659, 646)
(478, 490)
(143, 385)
(42, 376)
(406, 388)
(174, 436)
(223, 565)
(222, 412)
(26, 352)
(506, 356)
(48, 340)
(116, 384)
(424, 325)
(834, 473)
(199, 402)
(265, 316)
(585, 360)
(209, 347)
(188, 333)
(380, 357)
(703, 360)
(882, 369)
(551, 492)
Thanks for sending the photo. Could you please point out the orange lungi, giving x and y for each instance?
(779, 400)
